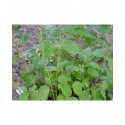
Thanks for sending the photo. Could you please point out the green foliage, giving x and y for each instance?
(25, 78)
(93, 72)
(99, 53)
(71, 47)
(62, 79)
(77, 88)
(15, 28)
(66, 90)
(24, 96)
(70, 62)
(44, 92)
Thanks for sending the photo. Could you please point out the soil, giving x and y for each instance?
(16, 68)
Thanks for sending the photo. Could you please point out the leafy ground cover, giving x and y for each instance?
(64, 62)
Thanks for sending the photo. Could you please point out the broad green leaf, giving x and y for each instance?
(48, 81)
(77, 87)
(44, 92)
(86, 53)
(62, 64)
(101, 42)
(48, 47)
(104, 85)
(33, 88)
(23, 88)
(98, 96)
(88, 34)
(61, 97)
(73, 98)
(85, 95)
(62, 79)
(85, 83)
(66, 90)
(34, 95)
(59, 86)
(15, 28)
(24, 96)
(78, 30)
(103, 28)
(26, 78)
(70, 46)
(99, 53)
(68, 76)
(52, 68)
(14, 59)
(72, 68)
(93, 72)
(94, 65)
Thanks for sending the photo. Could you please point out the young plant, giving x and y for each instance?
(71, 62)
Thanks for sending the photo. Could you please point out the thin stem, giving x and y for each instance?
(26, 67)
(57, 66)
(45, 63)
(16, 86)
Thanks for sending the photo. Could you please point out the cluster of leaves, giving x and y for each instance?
(70, 62)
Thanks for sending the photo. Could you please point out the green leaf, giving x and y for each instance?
(52, 68)
(24, 96)
(93, 72)
(101, 42)
(66, 90)
(85, 95)
(48, 47)
(33, 88)
(61, 97)
(104, 85)
(62, 79)
(77, 87)
(98, 96)
(33, 92)
(26, 78)
(73, 98)
(72, 68)
(103, 28)
(94, 65)
(34, 95)
(23, 88)
(70, 46)
(15, 28)
(62, 64)
(88, 34)
(14, 59)
(86, 53)
(48, 81)
(44, 92)
(99, 53)
(85, 83)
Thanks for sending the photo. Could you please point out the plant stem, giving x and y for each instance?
(45, 63)
(26, 67)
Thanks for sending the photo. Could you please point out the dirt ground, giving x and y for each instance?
(33, 30)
